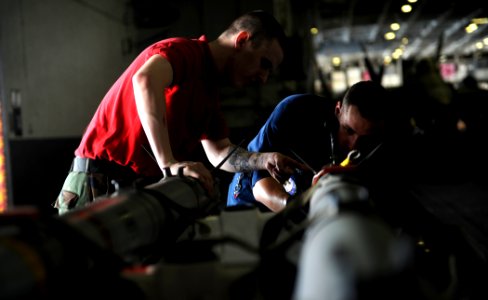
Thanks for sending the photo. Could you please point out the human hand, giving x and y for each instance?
(332, 169)
(196, 170)
(280, 166)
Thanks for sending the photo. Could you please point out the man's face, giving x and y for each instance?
(254, 65)
(356, 132)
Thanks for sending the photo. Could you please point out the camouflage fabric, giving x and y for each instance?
(80, 189)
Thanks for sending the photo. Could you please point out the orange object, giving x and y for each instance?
(3, 172)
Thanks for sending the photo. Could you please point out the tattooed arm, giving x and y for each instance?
(278, 165)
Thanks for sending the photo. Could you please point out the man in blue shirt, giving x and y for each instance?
(316, 130)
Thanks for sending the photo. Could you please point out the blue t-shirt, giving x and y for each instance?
(301, 124)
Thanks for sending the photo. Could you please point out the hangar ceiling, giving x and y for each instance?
(348, 27)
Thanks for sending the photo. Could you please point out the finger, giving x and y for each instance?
(316, 178)
(285, 171)
(205, 181)
(278, 177)
(205, 178)
(297, 164)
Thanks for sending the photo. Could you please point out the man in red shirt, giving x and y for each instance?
(167, 102)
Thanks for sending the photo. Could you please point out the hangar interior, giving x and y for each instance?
(170, 240)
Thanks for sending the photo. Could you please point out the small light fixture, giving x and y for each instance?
(406, 8)
(336, 61)
(390, 36)
(480, 21)
(471, 28)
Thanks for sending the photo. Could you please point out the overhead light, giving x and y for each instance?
(412, 1)
(471, 28)
(395, 26)
(336, 61)
(479, 45)
(406, 8)
(396, 55)
(405, 41)
(479, 21)
(390, 36)
(314, 30)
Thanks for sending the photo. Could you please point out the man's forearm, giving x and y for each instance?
(279, 166)
(149, 83)
(244, 161)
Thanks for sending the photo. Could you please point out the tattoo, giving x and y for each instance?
(245, 161)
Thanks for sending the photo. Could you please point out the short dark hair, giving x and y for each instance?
(261, 25)
(371, 99)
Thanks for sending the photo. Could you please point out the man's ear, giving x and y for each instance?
(241, 38)
(338, 109)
